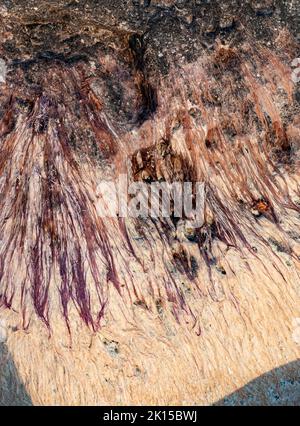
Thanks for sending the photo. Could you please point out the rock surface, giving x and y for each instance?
(143, 310)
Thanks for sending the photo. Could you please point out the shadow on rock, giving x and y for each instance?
(280, 386)
(12, 390)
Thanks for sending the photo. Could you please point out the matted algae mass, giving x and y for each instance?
(149, 310)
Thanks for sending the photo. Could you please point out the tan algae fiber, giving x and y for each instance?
(142, 311)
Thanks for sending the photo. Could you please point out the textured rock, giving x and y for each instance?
(143, 310)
